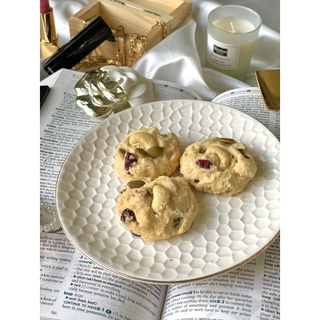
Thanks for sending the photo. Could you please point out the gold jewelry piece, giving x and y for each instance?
(121, 50)
(129, 48)
(163, 26)
(137, 47)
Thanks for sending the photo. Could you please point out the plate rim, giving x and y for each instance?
(157, 281)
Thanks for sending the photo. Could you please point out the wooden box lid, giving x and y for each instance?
(152, 19)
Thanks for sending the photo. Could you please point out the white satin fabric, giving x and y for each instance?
(180, 57)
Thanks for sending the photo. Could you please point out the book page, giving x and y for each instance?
(250, 101)
(74, 287)
(270, 305)
(249, 292)
(62, 125)
(232, 295)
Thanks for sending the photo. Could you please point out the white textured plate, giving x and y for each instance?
(227, 232)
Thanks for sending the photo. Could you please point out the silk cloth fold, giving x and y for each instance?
(181, 57)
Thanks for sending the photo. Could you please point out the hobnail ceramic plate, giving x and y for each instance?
(228, 231)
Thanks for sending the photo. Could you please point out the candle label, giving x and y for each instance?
(221, 55)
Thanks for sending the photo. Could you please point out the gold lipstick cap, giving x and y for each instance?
(48, 35)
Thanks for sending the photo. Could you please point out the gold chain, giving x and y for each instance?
(137, 47)
(121, 50)
(160, 23)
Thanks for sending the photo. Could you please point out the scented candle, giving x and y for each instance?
(232, 33)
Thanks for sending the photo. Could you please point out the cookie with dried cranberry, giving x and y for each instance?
(146, 153)
(218, 165)
(158, 209)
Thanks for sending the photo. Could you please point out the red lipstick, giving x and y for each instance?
(45, 6)
(48, 35)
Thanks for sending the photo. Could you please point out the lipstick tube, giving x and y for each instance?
(79, 46)
(48, 35)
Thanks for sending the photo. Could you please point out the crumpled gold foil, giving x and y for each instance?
(111, 89)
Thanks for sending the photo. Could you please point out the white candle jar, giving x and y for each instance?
(232, 33)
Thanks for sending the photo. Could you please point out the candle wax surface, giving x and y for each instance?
(234, 25)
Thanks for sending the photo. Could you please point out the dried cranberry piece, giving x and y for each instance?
(205, 164)
(128, 215)
(129, 160)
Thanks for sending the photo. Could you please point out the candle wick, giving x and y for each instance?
(232, 27)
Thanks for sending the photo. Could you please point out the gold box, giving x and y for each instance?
(144, 24)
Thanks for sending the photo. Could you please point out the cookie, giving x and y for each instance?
(218, 165)
(147, 153)
(158, 209)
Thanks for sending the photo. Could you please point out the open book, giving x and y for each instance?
(74, 287)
